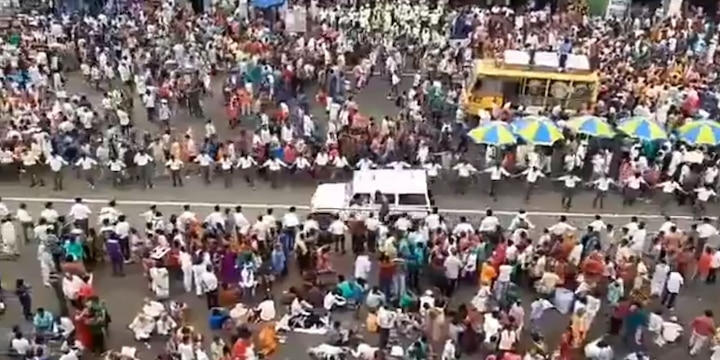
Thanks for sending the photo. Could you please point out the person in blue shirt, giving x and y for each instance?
(279, 261)
(43, 321)
(74, 248)
(217, 318)
(351, 290)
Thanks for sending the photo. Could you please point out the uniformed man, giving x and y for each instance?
(30, 161)
(464, 171)
(143, 162)
(57, 163)
(87, 165)
(226, 167)
(570, 181)
(205, 160)
(302, 166)
(116, 168)
(245, 164)
(274, 166)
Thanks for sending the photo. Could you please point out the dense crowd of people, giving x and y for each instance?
(159, 62)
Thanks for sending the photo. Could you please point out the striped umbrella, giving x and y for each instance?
(495, 133)
(702, 132)
(591, 125)
(642, 128)
(539, 130)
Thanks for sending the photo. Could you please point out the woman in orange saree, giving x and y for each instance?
(267, 339)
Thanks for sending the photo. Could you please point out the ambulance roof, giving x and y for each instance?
(389, 181)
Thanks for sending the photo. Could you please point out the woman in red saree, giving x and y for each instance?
(82, 331)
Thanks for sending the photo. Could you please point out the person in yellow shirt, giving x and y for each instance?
(487, 274)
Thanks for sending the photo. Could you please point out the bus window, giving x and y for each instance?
(581, 94)
(412, 199)
(511, 90)
(477, 86)
(558, 93)
(534, 93)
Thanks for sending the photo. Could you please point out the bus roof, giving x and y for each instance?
(519, 67)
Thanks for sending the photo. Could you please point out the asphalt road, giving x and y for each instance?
(124, 295)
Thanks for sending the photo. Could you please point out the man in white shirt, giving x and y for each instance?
(246, 165)
(363, 266)
(464, 172)
(602, 185)
(274, 166)
(122, 230)
(205, 160)
(26, 222)
(366, 352)
(561, 227)
(372, 225)
(490, 223)
(57, 163)
(117, 166)
(290, 224)
(672, 288)
(433, 171)
(242, 224)
(432, 221)
(266, 309)
(50, 214)
(705, 231)
(503, 281)
(144, 170)
(30, 162)
(633, 186)
(87, 166)
(532, 175)
(669, 190)
(570, 181)
(226, 168)
(703, 193)
(496, 174)
(80, 213)
(453, 266)
(338, 229)
(209, 285)
(321, 161)
(20, 345)
(385, 321)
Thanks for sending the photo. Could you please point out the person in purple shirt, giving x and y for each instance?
(114, 251)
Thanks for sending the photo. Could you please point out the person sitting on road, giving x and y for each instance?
(338, 335)
(333, 300)
(351, 290)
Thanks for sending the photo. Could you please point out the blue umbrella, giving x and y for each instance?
(266, 4)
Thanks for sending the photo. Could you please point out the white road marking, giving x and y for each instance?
(306, 207)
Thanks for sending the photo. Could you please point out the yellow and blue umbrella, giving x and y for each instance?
(591, 125)
(494, 133)
(642, 128)
(539, 130)
(703, 132)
